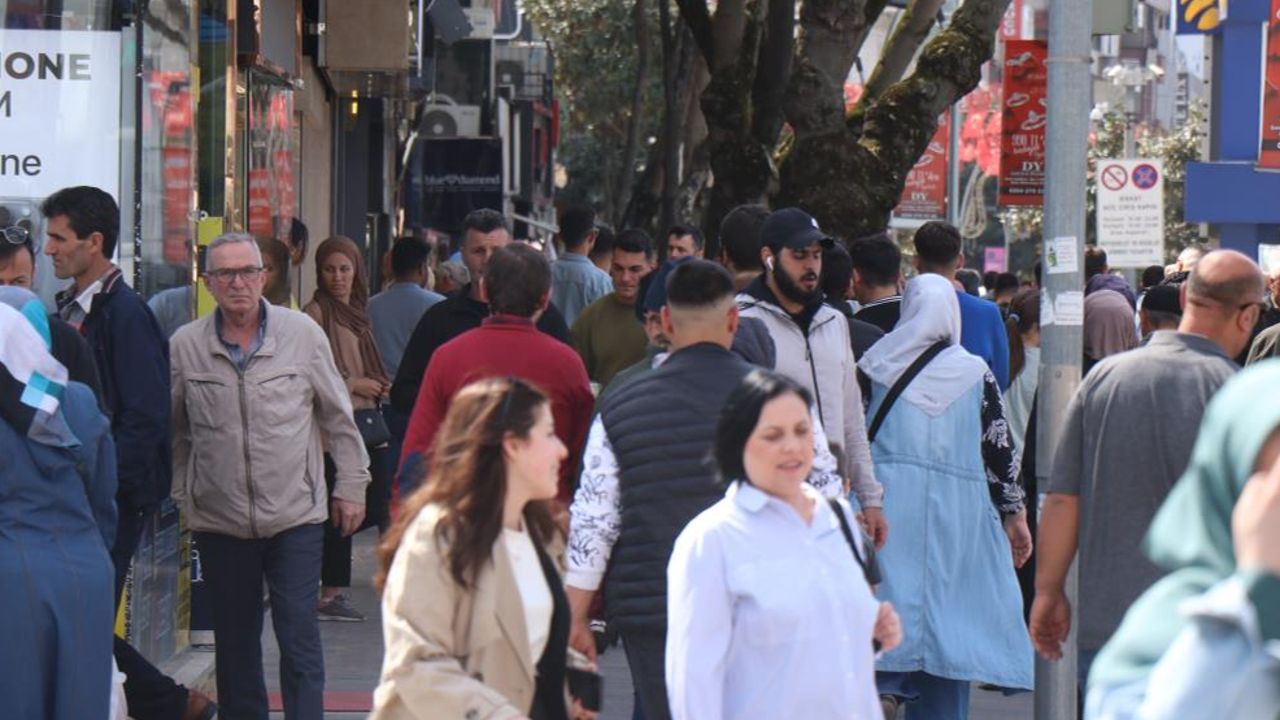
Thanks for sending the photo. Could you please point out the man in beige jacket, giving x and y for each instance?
(257, 402)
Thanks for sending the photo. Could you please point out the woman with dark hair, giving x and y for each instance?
(475, 618)
(769, 612)
(275, 261)
(339, 307)
(1023, 326)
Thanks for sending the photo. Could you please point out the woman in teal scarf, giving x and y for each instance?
(1204, 642)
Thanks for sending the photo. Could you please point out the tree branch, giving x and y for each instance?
(773, 69)
(626, 176)
(824, 54)
(912, 30)
(698, 19)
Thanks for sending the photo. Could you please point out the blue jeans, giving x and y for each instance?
(234, 569)
(927, 697)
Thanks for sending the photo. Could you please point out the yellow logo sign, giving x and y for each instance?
(1197, 16)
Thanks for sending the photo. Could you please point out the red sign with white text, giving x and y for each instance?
(1269, 152)
(1024, 115)
(1011, 23)
(260, 202)
(924, 196)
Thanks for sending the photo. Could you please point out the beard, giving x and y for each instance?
(791, 290)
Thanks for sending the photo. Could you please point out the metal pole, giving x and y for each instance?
(953, 166)
(1070, 26)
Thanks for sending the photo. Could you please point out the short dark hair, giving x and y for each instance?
(970, 279)
(877, 259)
(485, 220)
(682, 229)
(576, 224)
(740, 236)
(88, 210)
(1152, 276)
(1007, 281)
(605, 239)
(837, 271)
(9, 250)
(697, 283)
(634, 241)
(408, 256)
(517, 278)
(741, 415)
(938, 244)
(1095, 261)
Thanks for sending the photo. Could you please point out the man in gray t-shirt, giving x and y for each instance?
(1127, 438)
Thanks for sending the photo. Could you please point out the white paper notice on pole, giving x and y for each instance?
(59, 111)
(1130, 212)
(1068, 308)
(1046, 310)
(1061, 257)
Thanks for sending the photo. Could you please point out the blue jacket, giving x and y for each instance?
(982, 333)
(133, 361)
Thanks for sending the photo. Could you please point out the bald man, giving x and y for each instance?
(1127, 438)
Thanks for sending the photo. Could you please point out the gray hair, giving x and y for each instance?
(456, 272)
(231, 239)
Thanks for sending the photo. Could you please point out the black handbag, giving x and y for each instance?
(373, 427)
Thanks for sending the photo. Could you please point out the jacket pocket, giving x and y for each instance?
(211, 400)
(282, 397)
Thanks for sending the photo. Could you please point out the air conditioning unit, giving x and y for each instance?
(482, 22)
(446, 121)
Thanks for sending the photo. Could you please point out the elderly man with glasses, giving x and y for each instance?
(255, 392)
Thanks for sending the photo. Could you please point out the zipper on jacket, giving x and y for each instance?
(813, 373)
(248, 470)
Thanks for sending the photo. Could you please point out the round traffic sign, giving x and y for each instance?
(1114, 177)
(1145, 176)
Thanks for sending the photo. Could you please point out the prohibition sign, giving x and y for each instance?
(1114, 177)
(1145, 177)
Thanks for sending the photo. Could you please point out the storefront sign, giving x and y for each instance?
(1011, 23)
(1131, 212)
(1269, 152)
(460, 176)
(1023, 123)
(1197, 17)
(924, 196)
(260, 202)
(993, 259)
(59, 111)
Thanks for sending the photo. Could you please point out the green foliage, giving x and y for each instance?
(1175, 149)
(594, 43)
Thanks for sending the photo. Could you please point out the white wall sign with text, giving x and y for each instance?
(1131, 212)
(59, 111)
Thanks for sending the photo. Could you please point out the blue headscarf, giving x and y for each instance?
(32, 382)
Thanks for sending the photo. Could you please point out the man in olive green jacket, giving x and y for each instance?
(257, 402)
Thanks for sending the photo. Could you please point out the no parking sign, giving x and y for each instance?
(1130, 217)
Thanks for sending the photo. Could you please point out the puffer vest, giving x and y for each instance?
(662, 429)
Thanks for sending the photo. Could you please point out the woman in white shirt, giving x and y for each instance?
(769, 614)
(474, 616)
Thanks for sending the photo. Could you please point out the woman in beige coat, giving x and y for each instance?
(475, 619)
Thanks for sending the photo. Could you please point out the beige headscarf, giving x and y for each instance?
(351, 315)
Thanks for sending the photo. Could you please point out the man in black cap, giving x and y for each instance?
(812, 344)
(1160, 309)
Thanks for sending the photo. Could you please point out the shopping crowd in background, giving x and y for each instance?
(797, 479)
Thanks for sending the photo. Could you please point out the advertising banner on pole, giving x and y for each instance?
(924, 196)
(1025, 112)
(59, 111)
(1269, 152)
(1130, 213)
(460, 175)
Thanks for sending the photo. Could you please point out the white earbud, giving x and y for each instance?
(768, 262)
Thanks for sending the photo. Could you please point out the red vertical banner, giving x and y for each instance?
(177, 204)
(924, 196)
(1269, 152)
(1025, 112)
(282, 166)
(260, 202)
(1011, 23)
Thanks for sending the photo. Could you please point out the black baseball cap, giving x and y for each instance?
(793, 228)
(1162, 298)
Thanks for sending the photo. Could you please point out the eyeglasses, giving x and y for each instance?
(15, 234)
(227, 275)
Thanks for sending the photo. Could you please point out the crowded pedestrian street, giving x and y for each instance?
(639, 360)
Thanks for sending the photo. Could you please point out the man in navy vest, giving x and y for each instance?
(647, 453)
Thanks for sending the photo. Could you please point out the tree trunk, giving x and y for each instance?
(824, 54)
(912, 30)
(769, 93)
(852, 183)
(626, 174)
(674, 69)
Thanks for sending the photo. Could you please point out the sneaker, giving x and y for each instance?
(339, 610)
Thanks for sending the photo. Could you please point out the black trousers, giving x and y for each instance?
(151, 694)
(335, 566)
(646, 654)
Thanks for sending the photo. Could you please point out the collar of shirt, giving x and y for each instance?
(84, 300)
(238, 355)
(1191, 341)
(754, 500)
(570, 257)
(882, 301)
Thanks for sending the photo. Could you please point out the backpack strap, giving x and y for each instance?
(898, 387)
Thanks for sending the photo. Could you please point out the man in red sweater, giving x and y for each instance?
(518, 284)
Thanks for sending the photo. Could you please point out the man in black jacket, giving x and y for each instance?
(484, 231)
(132, 356)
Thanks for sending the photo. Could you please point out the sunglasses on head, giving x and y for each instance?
(15, 234)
